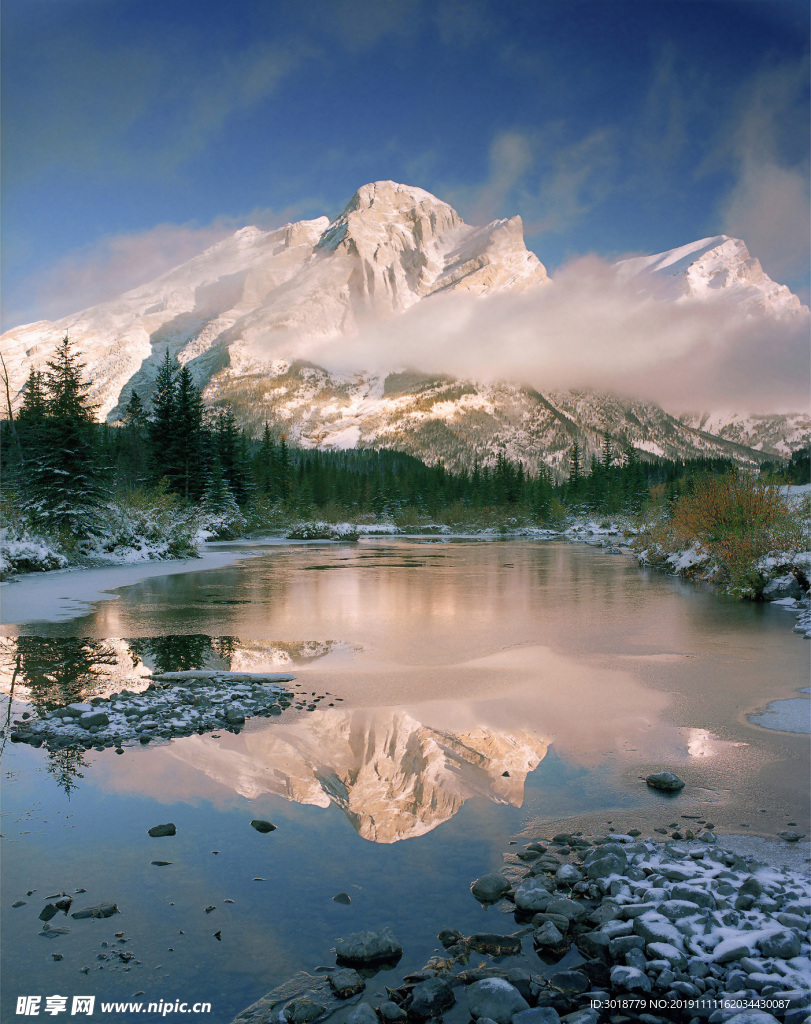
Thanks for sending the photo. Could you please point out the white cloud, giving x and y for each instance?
(589, 330)
(116, 263)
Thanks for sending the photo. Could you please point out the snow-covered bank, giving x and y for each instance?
(66, 594)
(656, 931)
(142, 528)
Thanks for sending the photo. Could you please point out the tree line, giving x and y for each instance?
(62, 465)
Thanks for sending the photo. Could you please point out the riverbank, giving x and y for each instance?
(615, 928)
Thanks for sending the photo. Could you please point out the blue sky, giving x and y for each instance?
(137, 133)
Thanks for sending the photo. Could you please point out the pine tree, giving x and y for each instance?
(63, 489)
(266, 467)
(187, 437)
(575, 472)
(606, 452)
(133, 454)
(219, 512)
(161, 431)
(542, 497)
(35, 403)
(285, 470)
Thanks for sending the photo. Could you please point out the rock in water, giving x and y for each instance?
(490, 888)
(163, 830)
(667, 782)
(369, 947)
(495, 998)
(782, 587)
(495, 945)
(429, 998)
(301, 1011)
(362, 1014)
(262, 826)
(346, 983)
(99, 910)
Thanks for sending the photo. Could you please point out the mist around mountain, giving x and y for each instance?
(397, 325)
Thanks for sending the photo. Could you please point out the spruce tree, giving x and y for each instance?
(606, 452)
(575, 472)
(63, 489)
(187, 437)
(161, 431)
(133, 454)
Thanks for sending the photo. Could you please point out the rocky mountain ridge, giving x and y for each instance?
(246, 314)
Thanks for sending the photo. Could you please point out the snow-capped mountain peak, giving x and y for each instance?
(245, 314)
(260, 294)
(709, 267)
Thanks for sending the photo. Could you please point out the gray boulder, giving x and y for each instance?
(490, 888)
(301, 1011)
(429, 998)
(566, 876)
(77, 709)
(630, 979)
(345, 983)
(496, 999)
(570, 983)
(571, 909)
(667, 782)
(783, 944)
(391, 1013)
(549, 937)
(608, 864)
(369, 947)
(689, 894)
(91, 718)
(362, 1014)
(262, 826)
(781, 587)
(495, 945)
(99, 910)
(168, 829)
(532, 894)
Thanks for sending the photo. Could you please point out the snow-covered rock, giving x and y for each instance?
(711, 267)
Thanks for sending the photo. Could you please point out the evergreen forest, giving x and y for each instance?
(61, 469)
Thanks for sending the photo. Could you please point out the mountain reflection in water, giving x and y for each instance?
(392, 776)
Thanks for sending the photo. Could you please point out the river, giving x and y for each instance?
(453, 697)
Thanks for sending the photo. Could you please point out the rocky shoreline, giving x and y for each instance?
(617, 928)
(173, 704)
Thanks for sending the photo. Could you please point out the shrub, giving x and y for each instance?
(738, 520)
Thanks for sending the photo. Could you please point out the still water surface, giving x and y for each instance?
(472, 694)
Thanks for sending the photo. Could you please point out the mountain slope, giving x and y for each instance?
(245, 315)
(260, 294)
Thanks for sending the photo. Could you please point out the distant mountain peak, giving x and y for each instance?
(709, 267)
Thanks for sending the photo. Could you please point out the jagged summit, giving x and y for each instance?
(247, 314)
(263, 294)
(719, 265)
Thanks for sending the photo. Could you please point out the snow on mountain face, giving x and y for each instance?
(711, 267)
(455, 422)
(259, 294)
(775, 435)
(245, 314)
